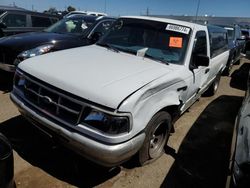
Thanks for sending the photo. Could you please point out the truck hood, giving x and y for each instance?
(95, 73)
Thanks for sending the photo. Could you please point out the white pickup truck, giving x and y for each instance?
(119, 98)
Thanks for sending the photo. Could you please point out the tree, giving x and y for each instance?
(52, 10)
(70, 8)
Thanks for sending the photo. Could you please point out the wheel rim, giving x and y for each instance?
(232, 61)
(157, 140)
(231, 65)
(216, 84)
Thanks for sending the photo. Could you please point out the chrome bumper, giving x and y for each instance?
(7, 67)
(104, 154)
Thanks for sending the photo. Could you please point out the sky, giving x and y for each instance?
(227, 8)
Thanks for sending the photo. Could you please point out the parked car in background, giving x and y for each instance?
(247, 49)
(236, 45)
(120, 97)
(86, 13)
(73, 31)
(246, 33)
(6, 163)
(240, 166)
(15, 20)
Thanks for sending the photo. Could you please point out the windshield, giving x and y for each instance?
(157, 40)
(71, 25)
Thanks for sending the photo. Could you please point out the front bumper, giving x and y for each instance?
(7, 67)
(102, 153)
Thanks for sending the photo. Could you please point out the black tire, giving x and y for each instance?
(6, 163)
(228, 68)
(157, 134)
(214, 87)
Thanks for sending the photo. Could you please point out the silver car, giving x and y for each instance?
(241, 145)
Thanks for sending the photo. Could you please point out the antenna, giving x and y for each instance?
(197, 11)
(147, 11)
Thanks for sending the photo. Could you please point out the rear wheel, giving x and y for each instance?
(229, 67)
(157, 134)
(214, 86)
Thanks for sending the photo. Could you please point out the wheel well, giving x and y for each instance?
(174, 112)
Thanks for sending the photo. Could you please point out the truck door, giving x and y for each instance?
(201, 47)
(199, 74)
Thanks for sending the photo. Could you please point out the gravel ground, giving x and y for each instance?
(197, 154)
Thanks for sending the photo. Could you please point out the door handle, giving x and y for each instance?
(182, 88)
(207, 70)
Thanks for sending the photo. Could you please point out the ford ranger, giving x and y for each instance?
(120, 97)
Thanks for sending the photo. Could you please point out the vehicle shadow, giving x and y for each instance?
(203, 157)
(61, 163)
(6, 81)
(239, 77)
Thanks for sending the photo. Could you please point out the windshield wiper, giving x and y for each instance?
(159, 59)
(108, 46)
(127, 50)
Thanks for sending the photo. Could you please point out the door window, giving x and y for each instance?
(200, 46)
(15, 20)
(40, 21)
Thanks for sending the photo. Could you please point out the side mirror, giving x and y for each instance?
(2, 25)
(95, 37)
(199, 60)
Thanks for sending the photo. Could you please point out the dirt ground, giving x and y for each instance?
(197, 154)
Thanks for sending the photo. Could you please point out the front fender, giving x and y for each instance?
(144, 104)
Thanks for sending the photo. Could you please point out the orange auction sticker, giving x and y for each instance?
(175, 42)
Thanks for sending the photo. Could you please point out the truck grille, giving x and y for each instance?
(51, 101)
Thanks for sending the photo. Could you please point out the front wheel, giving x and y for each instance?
(157, 134)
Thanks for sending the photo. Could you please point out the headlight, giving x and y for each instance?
(19, 80)
(106, 123)
(35, 51)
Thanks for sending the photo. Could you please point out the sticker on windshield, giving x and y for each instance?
(175, 42)
(178, 28)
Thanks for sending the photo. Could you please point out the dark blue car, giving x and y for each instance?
(73, 31)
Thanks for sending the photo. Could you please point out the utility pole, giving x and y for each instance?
(147, 12)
